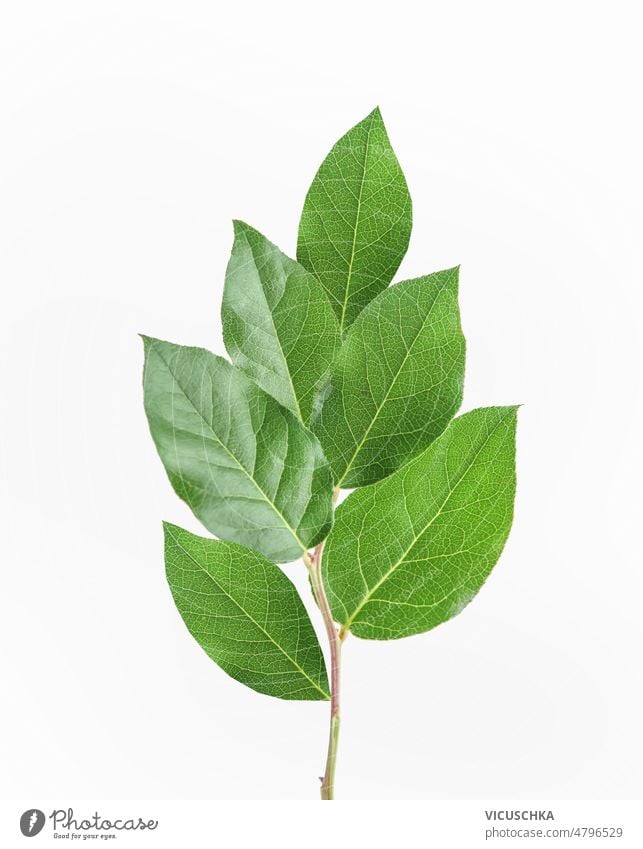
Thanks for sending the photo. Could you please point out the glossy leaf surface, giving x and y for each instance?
(412, 551)
(396, 382)
(356, 221)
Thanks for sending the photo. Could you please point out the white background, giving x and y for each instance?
(130, 135)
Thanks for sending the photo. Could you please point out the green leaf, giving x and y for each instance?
(356, 221)
(246, 615)
(396, 382)
(278, 324)
(248, 469)
(411, 551)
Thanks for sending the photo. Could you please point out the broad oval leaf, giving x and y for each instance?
(356, 221)
(278, 324)
(396, 382)
(246, 614)
(411, 551)
(249, 470)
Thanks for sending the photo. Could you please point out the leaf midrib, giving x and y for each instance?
(390, 389)
(248, 615)
(274, 326)
(229, 453)
(398, 563)
(357, 216)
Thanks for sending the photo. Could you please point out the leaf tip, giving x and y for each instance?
(510, 412)
(504, 411)
(148, 341)
(375, 115)
(240, 227)
(454, 274)
(168, 527)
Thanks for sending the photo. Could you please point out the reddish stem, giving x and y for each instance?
(314, 562)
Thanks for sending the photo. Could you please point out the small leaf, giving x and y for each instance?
(246, 615)
(396, 382)
(411, 551)
(248, 469)
(356, 221)
(278, 324)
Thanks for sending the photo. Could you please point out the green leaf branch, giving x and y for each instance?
(336, 380)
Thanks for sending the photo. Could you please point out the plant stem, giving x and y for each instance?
(313, 562)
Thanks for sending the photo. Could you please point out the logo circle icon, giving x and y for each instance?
(31, 822)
